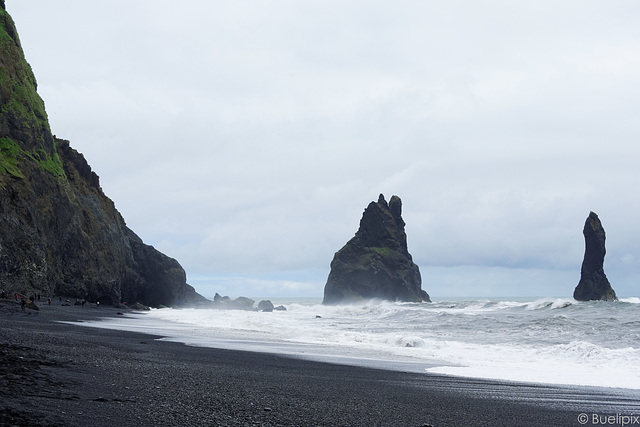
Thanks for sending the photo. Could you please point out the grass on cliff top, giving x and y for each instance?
(18, 84)
(22, 104)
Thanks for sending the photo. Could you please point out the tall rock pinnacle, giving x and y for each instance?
(375, 263)
(593, 283)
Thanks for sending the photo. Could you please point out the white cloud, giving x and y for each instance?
(246, 139)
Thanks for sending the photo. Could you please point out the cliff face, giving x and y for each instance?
(375, 263)
(59, 233)
(594, 284)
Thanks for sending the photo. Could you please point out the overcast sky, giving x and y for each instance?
(245, 138)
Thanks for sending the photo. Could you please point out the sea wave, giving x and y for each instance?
(549, 340)
(552, 303)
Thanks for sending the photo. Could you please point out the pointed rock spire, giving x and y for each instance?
(375, 263)
(594, 284)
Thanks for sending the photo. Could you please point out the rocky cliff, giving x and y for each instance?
(375, 263)
(59, 233)
(594, 284)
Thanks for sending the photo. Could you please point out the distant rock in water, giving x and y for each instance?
(375, 263)
(226, 303)
(265, 305)
(593, 283)
(59, 233)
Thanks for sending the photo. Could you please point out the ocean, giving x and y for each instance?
(537, 340)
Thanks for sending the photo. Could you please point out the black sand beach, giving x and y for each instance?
(56, 374)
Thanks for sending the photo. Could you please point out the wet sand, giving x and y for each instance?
(59, 374)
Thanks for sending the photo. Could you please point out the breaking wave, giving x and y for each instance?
(548, 340)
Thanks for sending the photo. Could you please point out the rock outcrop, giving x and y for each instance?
(265, 305)
(593, 283)
(375, 263)
(59, 233)
(226, 303)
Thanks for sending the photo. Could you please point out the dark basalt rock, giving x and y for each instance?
(59, 233)
(226, 303)
(138, 306)
(221, 299)
(243, 303)
(593, 283)
(375, 263)
(32, 305)
(265, 305)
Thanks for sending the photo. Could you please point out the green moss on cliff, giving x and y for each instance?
(22, 110)
(9, 152)
(12, 156)
(18, 85)
(24, 103)
(52, 164)
(381, 251)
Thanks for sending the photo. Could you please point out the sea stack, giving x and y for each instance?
(375, 263)
(593, 283)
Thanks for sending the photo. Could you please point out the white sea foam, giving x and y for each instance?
(550, 340)
(550, 303)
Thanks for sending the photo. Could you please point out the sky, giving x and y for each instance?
(246, 138)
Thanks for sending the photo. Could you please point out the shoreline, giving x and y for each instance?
(58, 374)
(516, 350)
(138, 322)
